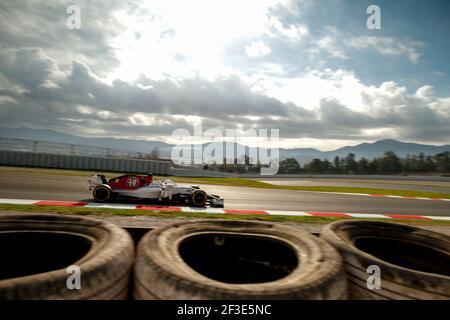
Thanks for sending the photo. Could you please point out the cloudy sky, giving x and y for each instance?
(141, 69)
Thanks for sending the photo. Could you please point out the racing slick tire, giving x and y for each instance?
(414, 263)
(48, 256)
(199, 198)
(102, 194)
(231, 259)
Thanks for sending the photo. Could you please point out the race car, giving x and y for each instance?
(142, 186)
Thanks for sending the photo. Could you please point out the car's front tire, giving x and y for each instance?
(199, 198)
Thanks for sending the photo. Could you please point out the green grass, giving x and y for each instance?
(399, 183)
(202, 215)
(250, 183)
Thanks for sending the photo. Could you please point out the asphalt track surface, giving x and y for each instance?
(43, 186)
(427, 186)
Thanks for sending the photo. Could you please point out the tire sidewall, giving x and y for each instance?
(391, 274)
(105, 268)
(319, 275)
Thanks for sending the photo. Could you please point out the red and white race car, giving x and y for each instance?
(142, 186)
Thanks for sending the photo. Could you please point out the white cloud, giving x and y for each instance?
(293, 32)
(7, 99)
(310, 88)
(257, 49)
(199, 31)
(425, 92)
(330, 44)
(342, 45)
(388, 46)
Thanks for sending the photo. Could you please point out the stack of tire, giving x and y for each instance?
(413, 263)
(191, 260)
(220, 259)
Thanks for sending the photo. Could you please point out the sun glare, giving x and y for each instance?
(185, 38)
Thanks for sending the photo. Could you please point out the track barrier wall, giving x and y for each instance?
(60, 161)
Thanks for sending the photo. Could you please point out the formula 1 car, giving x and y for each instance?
(142, 186)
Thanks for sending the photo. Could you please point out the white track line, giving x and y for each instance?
(287, 213)
(18, 201)
(368, 215)
(206, 210)
(110, 206)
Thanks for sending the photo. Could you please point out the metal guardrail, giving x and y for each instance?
(64, 161)
(36, 146)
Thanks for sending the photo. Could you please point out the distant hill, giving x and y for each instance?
(367, 150)
(303, 155)
(402, 149)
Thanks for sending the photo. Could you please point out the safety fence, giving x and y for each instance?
(64, 161)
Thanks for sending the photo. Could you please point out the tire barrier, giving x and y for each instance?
(220, 259)
(40, 252)
(413, 263)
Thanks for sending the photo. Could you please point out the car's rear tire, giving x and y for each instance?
(102, 194)
(40, 247)
(414, 263)
(225, 259)
(199, 198)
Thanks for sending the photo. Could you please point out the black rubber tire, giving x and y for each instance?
(400, 275)
(102, 190)
(162, 273)
(105, 263)
(199, 198)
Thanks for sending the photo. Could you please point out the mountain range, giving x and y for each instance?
(367, 150)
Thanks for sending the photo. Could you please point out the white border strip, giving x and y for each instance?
(18, 201)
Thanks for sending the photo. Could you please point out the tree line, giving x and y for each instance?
(389, 163)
